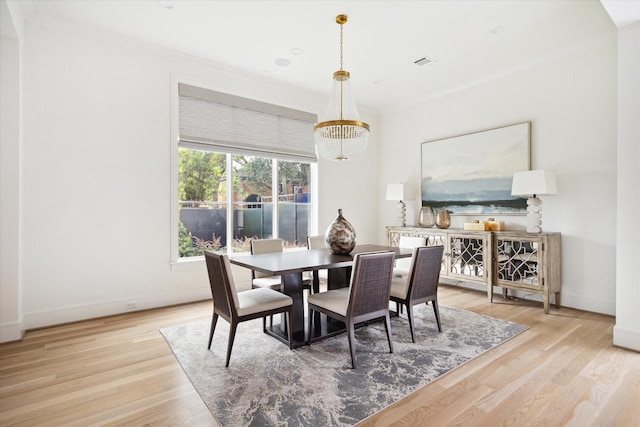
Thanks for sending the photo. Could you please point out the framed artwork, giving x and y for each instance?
(471, 174)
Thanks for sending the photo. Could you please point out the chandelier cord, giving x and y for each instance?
(341, 25)
(341, 89)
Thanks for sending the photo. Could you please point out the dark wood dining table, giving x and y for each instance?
(290, 265)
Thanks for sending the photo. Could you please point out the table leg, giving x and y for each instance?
(291, 285)
(338, 278)
(315, 282)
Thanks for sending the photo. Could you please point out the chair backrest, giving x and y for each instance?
(223, 289)
(265, 246)
(370, 282)
(316, 242)
(409, 242)
(425, 272)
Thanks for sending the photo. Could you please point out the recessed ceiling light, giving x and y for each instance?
(282, 62)
(498, 29)
(297, 51)
(167, 4)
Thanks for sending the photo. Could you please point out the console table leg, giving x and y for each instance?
(546, 302)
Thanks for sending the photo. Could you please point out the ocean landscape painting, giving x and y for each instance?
(471, 174)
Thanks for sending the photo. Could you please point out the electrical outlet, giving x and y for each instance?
(130, 305)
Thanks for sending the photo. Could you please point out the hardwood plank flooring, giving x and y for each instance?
(562, 371)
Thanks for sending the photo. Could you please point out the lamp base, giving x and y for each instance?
(401, 214)
(534, 215)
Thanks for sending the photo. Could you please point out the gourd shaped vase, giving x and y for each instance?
(443, 219)
(427, 217)
(340, 236)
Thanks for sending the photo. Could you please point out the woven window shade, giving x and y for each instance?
(215, 120)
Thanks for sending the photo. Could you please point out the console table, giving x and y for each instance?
(508, 259)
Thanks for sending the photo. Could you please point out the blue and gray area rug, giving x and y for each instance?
(268, 385)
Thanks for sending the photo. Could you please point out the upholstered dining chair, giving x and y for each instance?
(317, 242)
(403, 265)
(366, 298)
(236, 307)
(262, 280)
(421, 285)
(265, 246)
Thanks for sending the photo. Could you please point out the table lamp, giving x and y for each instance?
(401, 192)
(532, 184)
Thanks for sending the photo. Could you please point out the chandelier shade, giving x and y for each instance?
(341, 135)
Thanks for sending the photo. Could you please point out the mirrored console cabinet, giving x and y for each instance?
(514, 260)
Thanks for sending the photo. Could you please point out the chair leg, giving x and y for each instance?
(264, 325)
(214, 321)
(437, 313)
(310, 324)
(397, 309)
(411, 325)
(289, 328)
(232, 336)
(387, 326)
(352, 343)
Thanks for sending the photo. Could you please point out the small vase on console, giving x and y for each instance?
(443, 219)
(427, 217)
(340, 236)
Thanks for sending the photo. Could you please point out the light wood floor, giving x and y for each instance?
(119, 370)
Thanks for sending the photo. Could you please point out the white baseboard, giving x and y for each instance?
(626, 338)
(76, 313)
(566, 299)
(12, 331)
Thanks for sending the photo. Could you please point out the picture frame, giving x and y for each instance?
(471, 174)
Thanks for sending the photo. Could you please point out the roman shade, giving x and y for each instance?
(232, 124)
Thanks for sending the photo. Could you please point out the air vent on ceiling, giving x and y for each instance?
(423, 62)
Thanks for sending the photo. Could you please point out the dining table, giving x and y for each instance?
(290, 265)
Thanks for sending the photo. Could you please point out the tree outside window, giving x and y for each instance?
(204, 205)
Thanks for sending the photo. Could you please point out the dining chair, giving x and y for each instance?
(366, 298)
(317, 242)
(403, 265)
(421, 285)
(236, 307)
(265, 246)
(263, 280)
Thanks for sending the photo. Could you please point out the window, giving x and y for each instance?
(229, 191)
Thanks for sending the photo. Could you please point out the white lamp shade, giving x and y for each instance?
(401, 192)
(533, 182)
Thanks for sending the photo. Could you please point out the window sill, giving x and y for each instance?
(191, 263)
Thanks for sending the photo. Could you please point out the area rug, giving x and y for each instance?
(268, 385)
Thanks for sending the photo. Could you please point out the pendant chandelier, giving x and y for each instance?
(341, 135)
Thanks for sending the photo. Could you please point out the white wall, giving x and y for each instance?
(97, 179)
(11, 327)
(626, 332)
(571, 103)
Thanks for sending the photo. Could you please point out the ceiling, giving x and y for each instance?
(470, 41)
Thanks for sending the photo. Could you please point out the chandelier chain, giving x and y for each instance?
(341, 25)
